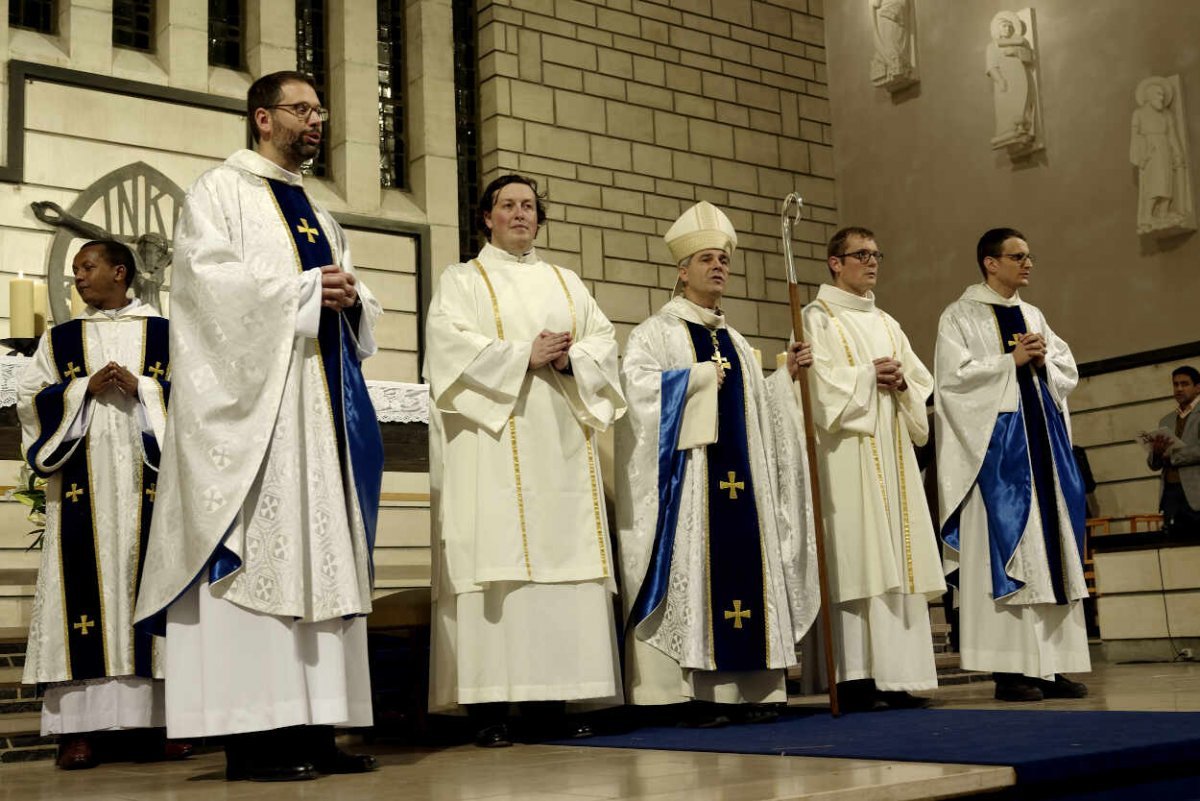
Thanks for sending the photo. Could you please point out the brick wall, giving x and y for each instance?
(629, 111)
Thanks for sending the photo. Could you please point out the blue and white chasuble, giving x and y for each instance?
(100, 457)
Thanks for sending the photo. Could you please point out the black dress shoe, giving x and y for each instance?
(496, 736)
(898, 699)
(578, 730)
(1062, 687)
(75, 753)
(1017, 688)
(756, 713)
(342, 762)
(858, 695)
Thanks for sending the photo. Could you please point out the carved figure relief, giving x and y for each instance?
(1158, 149)
(1012, 66)
(894, 64)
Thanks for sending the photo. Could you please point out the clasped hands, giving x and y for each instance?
(889, 375)
(112, 376)
(337, 288)
(550, 348)
(1030, 348)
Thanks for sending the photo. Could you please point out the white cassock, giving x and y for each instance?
(259, 551)
(671, 586)
(110, 428)
(1009, 621)
(881, 549)
(522, 570)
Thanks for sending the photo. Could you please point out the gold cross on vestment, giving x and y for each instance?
(733, 485)
(156, 370)
(84, 624)
(311, 233)
(1016, 339)
(152, 491)
(717, 357)
(72, 371)
(737, 614)
(74, 492)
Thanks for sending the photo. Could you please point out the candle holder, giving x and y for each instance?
(21, 346)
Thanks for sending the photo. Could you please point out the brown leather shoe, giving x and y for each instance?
(75, 753)
(177, 749)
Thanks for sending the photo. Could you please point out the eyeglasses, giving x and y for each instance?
(862, 256)
(303, 110)
(1017, 258)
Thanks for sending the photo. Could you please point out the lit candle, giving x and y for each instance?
(758, 357)
(77, 304)
(40, 305)
(780, 359)
(20, 307)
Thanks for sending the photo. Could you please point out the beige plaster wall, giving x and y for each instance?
(629, 111)
(921, 173)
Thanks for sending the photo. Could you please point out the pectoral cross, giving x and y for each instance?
(84, 624)
(74, 492)
(152, 491)
(72, 371)
(156, 370)
(737, 614)
(733, 485)
(717, 357)
(311, 233)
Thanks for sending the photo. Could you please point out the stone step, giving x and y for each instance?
(949, 660)
(959, 676)
(32, 753)
(14, 634)
(20, 723)
(9, 675)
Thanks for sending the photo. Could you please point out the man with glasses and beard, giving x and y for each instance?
(1011, 497)
(259, 562)
(869, 393)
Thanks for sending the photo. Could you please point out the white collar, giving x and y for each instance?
(493, 253)
(840, 297)
(256, 164)
(982, 293)
(130, 308)
(684, 309)
(1186, 410)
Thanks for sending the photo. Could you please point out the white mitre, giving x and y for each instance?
(701, 227)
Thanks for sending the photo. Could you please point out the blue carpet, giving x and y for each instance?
(1043, 746)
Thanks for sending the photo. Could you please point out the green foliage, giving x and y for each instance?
(32, 493)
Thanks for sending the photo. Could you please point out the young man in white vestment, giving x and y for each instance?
(868, 397)
(260, 552)
(522, 369)
(714, 522)
(92, 405)
(1012, 501)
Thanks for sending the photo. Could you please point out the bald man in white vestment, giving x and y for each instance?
(522, 368)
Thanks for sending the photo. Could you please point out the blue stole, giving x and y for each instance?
(1028, 449)
(735, 569)
(354, 420)
(78, 539)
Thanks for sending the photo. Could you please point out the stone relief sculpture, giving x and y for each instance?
(1012, 66)
(1158, 148)
(894, 64)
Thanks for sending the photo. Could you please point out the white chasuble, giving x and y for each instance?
(253, 493)
(99, 455)
(665, 519)
(521, 537)
(1019, 611)
(879, 534)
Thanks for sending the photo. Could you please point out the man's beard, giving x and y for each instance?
(300, 150)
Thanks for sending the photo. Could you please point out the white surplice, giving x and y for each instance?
(674, 663)
(110, 426)
(523, 577)
(1025, 632)
(251, 464)
(879, 534)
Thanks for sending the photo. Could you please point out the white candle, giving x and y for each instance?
(758, 357)
(20, 307)
(77, 304)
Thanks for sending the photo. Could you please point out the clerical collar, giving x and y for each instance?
(494, 253)
(684, 309)
(113, 314)
(256, 164)
(982, 293)
(840, 297)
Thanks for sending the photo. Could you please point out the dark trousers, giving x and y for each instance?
(1178, 517)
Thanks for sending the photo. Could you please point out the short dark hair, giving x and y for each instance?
(1189, 371)
(991, 245)
(117, 254)
(488, 199)
(838, 241)
(266, 91)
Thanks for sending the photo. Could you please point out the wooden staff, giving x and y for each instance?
(810, 440)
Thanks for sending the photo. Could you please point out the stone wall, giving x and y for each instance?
(629, 111)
